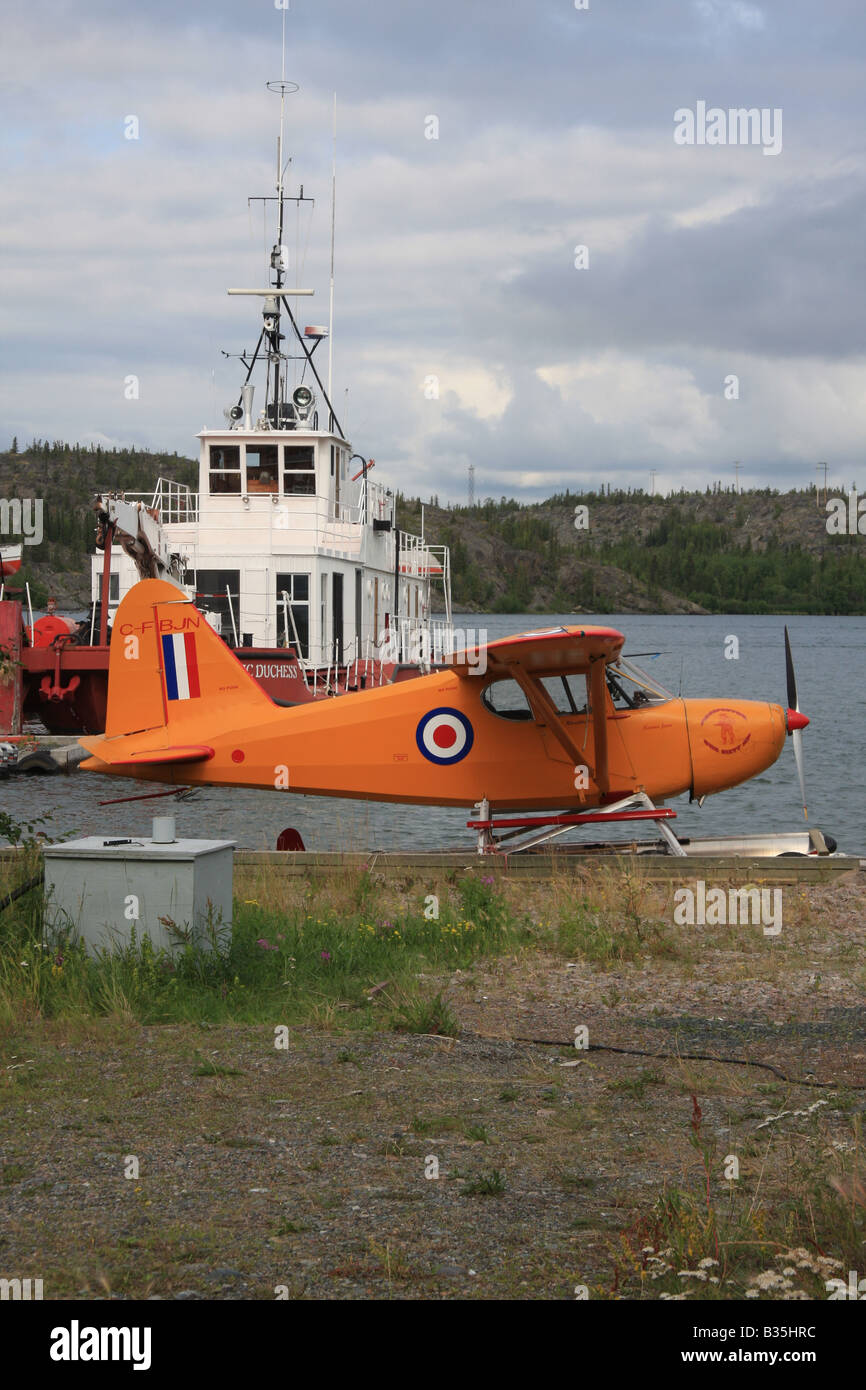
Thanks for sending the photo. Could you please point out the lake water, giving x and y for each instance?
(829, 659)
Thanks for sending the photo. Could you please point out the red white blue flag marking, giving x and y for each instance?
(444, 736)
(181, 666)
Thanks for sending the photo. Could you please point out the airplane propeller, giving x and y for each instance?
(795, 720)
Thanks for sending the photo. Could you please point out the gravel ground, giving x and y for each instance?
(304, 1172)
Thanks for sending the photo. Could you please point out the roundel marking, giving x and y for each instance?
(444, 736)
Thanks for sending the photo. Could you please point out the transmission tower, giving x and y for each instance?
(471, 488)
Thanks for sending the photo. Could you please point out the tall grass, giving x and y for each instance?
(788, 1240)
(325, 949)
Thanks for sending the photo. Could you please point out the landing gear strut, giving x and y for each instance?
(536, 830)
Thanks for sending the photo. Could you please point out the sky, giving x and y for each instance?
(714, 315)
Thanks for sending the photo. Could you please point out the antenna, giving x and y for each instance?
(825, 466)
(653, 472)
(268, 349)
(331, 304)
(278, 259)
(283, 87)
(471, 489)
(737, 467)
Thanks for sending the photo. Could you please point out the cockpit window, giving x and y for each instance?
(506, 699)
(568, 693)
(629, 686)
(632, 688)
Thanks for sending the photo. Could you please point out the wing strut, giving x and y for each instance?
(546, 713)
(598, 696)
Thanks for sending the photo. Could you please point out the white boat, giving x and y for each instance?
(288, 542)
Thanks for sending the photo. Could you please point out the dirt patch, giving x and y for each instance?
(205, 1162)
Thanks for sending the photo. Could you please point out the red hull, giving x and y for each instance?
(65, 686)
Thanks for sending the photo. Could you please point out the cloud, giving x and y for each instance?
(721, 16)
(455, 257)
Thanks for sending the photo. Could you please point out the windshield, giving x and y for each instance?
(630, 687)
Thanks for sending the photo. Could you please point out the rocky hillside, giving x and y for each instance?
(623, 552)
(719, 551)
(66, 477)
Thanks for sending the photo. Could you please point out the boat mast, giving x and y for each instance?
(331, 300)
(276, 296)
(277, 254)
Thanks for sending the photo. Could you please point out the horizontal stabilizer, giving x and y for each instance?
(178, 753)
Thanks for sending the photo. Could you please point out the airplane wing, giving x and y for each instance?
(552, 651)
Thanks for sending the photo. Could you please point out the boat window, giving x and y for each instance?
(225, 468)
(568, 693)
(221, 606)
(299, 470)
(262, 468)
(505, 698)
(293, 612)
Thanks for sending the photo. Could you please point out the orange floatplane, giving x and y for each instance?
(549, 721)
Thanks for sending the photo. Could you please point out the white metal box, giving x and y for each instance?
(169, 892)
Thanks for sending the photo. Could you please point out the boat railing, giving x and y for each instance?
(327, 524)
(416, 642)
(441, 572)
(363, 665)
(376, 503)
(174, 502)
(171, 501)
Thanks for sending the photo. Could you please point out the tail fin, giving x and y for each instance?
(170, 678)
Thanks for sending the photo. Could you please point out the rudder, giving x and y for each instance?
(166, 662)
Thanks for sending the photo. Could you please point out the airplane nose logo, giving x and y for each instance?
(444, 736)
(727, 737)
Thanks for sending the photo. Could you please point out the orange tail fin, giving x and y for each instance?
(170, 678)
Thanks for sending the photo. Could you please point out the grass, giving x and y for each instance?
(356, 951)
(315, 955)
(323, 953)
(477, 1133)
(430, 1015)
(347, 952)
(730, 1241)
(574, 1181)
(490, 1184)
(635, 1086)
